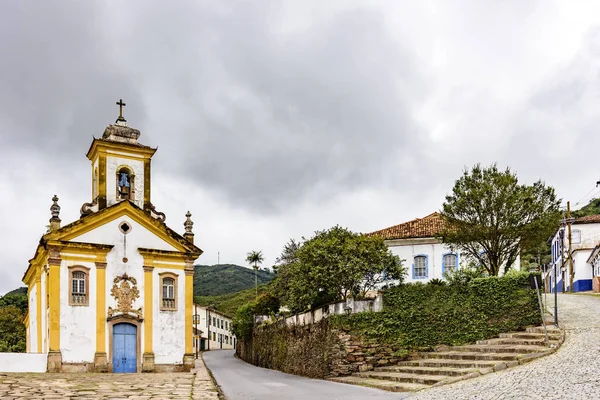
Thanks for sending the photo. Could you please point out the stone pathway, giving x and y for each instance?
(570, 373)
(195, 385)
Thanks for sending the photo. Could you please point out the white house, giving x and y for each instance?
(585, 238)
(212, 329)
(113, 290)
(425, 256)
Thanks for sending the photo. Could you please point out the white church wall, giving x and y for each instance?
(23, 362)
(77, 323)
(112, 163)
(169, 326)
(134, 267)
(33, 342)
(138, 236)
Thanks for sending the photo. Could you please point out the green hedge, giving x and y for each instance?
(421, 316)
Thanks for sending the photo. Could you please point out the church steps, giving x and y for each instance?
(448, 363)
(516, 341)
(530, 335)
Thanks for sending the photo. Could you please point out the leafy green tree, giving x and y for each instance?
(333, 265)
(12, 330)
(255, 257)
(492, 218)
(17, 300)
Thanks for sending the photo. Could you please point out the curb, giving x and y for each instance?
(214, 381)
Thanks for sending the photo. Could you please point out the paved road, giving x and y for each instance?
(242, 381)
(573, 372)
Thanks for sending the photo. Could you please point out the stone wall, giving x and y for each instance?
(314, 350)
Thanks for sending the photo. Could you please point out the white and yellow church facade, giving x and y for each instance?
(113, 291)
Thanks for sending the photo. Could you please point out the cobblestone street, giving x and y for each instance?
(195, 385)
(571, 373)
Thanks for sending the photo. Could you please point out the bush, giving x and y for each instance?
(418, 316)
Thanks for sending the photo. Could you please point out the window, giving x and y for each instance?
(214, 321)
(420, 267)
(78, 286)
(226, 325)
(221, 324)
(214, 337)
(449, 262)
(226, 339)
(168, 284)
(576, 236)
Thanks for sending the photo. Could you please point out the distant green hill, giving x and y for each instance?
(592, 208)
(229, 303)
(213, 280)
(21, 290)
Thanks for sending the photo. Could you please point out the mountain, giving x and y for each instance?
(214, 280)
(592, 208)
(21, 290)
(229, 303)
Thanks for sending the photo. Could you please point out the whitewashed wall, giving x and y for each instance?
(168, 328)
(77, 323)
(112, 164)
(23, 362)
(433, 251)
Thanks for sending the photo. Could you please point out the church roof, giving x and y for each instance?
(91, 221)
(425, 227)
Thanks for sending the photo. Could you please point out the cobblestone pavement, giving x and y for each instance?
(573, 372)
(196, 385)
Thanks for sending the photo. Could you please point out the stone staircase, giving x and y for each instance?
(451, 364)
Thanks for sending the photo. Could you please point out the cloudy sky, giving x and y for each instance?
(274, 119)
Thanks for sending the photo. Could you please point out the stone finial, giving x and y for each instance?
(188, 224)
(54, 211)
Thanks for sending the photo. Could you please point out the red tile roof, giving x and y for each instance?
(425, 227)
(588, 219)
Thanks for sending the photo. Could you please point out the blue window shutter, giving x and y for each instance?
(457, 261)
(426, 266)
(413, 271)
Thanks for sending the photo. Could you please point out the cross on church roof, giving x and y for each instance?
(121, 105)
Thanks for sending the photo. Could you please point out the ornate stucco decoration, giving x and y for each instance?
(125, 292)
(89, 208)
(157, 214)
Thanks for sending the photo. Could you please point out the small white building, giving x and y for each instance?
(585, 237)
(212, 329)
(426, 257)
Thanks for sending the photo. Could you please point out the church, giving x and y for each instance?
(113, 290)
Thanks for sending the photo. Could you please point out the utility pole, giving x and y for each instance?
(561, 234)
(569, 221)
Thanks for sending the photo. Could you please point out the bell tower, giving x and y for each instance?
(120, 167)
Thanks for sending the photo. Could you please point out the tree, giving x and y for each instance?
(255, 257)
(17, 300)
(333, 265)
(491, 217)
(12, 330)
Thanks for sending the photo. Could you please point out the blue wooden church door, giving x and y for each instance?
(124, 348)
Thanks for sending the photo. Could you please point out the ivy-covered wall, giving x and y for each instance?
(415, 317)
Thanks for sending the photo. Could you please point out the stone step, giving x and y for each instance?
(421, 370)
(499, 348)
(402, 377)
(449, 363)
(473, 355)
(391, 386)
(516, 341)
(530, 335)
(540, 329)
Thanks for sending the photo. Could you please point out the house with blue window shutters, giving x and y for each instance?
(424, 255)
(585, 250)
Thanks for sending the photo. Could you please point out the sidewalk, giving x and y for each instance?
(204, 387)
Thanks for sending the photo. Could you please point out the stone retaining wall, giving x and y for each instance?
(315, 350)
